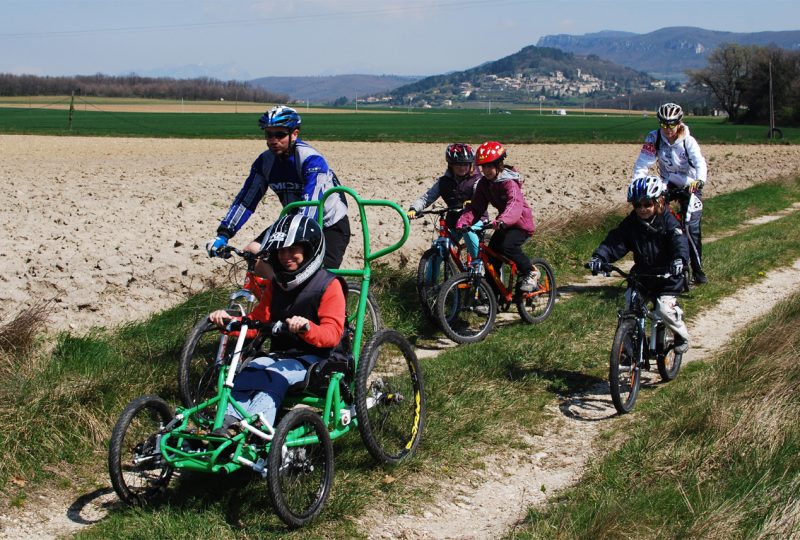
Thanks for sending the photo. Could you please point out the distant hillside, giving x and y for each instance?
(524, 77)
(326, 89)
(666, 53)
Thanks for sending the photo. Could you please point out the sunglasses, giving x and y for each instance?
(644, 204)
(668, 126)
(277, 134)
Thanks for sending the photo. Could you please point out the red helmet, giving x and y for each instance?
(459, 154)
(489, 152)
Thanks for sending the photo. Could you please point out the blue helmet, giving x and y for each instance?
(646, 188)
(280, 116)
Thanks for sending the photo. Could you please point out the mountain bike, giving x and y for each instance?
(468, 302)
(445, 258)
(206, 346)
(378, 389)
(635, 345)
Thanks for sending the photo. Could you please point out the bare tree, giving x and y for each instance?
(727, 76)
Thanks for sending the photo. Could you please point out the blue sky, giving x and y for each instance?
(252, 38)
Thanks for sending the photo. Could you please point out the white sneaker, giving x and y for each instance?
(529, 282)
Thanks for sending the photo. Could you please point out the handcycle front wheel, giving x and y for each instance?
(136, 466)
(300, 467)
(535, 306)
(624, 375)
(390, 398)
(432, 271)
(466, 311)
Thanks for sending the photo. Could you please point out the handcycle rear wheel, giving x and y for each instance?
(668, 361)
(432, 271)
(466, 312)
(624, 375)
(136, 466)
(300, 465)
(390, 398)
(535, 306)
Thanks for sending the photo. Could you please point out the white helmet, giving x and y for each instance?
(670, 113)
(646, 188)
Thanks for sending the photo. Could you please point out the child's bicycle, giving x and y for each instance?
(378, 388)
(468, 302)
(633, 348)
(445, 258)
(206, 346)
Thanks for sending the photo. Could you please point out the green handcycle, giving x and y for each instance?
(378, 388)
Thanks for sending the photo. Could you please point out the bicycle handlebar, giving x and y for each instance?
(227, 251)
(607, 268)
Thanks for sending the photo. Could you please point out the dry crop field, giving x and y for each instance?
(113, 229)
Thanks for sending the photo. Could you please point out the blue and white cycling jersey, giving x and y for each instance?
(303, 176)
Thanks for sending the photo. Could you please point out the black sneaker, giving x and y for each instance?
(227, 428)
(699, 278)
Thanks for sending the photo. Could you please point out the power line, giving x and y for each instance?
(399, 9)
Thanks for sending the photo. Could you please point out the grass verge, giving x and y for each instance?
(715, 455)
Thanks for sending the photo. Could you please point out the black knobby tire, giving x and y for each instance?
(668, 361)
(372, 316)
(432, 271)
(624, 376)
(465, 312)
(390, 397)
(137, 469)
(197, 370)
(535, 306)
(300, 477)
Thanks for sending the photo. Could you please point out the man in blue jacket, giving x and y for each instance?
(295, 171)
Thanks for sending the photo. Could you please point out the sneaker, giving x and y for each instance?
(482, 310)
(681, 344)
(529, 282)
(699, 278)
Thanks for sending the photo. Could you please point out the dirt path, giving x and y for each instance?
(484, 503)
(488, 502)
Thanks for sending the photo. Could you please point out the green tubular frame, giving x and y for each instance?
(223, 457)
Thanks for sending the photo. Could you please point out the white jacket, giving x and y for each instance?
(678, 163)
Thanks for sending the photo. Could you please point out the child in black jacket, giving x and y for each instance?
(658, 245)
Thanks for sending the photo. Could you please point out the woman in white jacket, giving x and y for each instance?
(682, 165)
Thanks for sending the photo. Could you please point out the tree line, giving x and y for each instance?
(738, 79)
(134, 86)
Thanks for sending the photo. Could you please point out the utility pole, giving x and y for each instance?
(771, 105)
(71, 111)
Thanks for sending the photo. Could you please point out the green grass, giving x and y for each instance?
(59, 407)
(416, 126)
(716, 454)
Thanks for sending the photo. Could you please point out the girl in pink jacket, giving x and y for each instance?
(501, 186)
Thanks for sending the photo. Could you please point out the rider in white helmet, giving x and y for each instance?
(682, 165)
